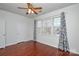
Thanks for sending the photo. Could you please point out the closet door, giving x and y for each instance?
(2, 32)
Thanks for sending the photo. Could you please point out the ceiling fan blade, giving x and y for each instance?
(38, 8)
(34, 11)
(22, 8)
(29, 5)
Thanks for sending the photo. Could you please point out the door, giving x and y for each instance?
(2, 32)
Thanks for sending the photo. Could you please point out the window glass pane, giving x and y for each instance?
(39, 24)
(57, 22)
(49, 23)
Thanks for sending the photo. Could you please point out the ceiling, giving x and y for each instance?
(47, 7)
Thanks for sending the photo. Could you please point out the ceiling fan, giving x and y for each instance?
(31, 9)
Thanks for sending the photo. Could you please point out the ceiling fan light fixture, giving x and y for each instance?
(30, 11)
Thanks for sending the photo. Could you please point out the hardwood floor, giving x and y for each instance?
(32, 48)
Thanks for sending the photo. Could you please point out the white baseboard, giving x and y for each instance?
(47, 44)
(74, 51)
(71, 50)
(15, 42)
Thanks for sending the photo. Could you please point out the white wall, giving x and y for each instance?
(2, 31)
(18, 28)
(72, 21)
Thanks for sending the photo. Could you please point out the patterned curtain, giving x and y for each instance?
(63, 41)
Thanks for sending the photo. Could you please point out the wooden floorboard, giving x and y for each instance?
(32, 48)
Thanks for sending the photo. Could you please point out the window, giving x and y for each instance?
(44, 26)
(49, 26)
(57, 24)
(39, 26)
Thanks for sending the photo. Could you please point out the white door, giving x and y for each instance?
(2, 32)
